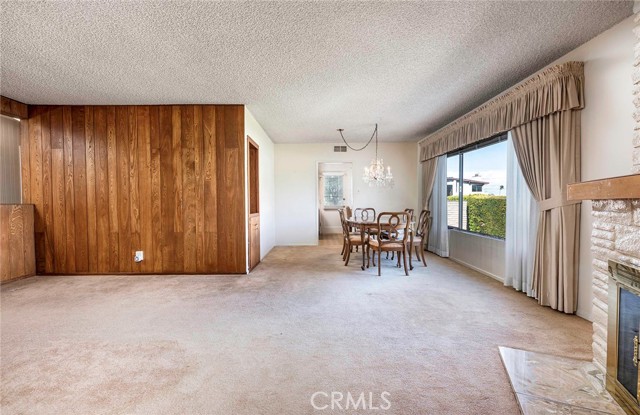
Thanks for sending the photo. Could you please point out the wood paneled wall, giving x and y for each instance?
(16, 242)
(107, 181)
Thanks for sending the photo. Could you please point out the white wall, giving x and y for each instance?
(297, 181)
(482, 253)
(607, 127)
(267, 182)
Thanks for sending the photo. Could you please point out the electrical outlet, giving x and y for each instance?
(139, 256)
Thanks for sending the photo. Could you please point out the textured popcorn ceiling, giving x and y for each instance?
(303, 69)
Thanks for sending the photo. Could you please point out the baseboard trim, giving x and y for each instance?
(481, 271)
(331, 230)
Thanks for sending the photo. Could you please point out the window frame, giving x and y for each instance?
(499, 138)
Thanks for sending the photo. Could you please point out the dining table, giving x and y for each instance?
(364, 227)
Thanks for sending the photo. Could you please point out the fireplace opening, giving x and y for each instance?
(628, 327)
(624, 331)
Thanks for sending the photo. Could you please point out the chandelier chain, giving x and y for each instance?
(375, 134)
(375, 174)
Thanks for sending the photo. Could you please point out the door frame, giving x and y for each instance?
(317, 192)
(252, 143)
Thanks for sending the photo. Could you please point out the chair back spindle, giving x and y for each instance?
(365, 214)
(394, 225)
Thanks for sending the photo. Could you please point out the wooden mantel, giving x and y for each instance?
(623, 187)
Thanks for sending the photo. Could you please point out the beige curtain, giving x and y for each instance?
(428, 177)
(548, 151)
(558, 88)
(543, 114)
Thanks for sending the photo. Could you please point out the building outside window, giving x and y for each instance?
(477, 202)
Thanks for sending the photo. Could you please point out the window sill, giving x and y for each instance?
(479, 235)
(332, 207)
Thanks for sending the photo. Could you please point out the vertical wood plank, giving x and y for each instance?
(189, 190)
(69, 193)
(221, 186)
(101, 188)
(144, 155)
(25, 161)
(28, 241)
(156, 188)
(177, 165)
(112, 173)
(80, 189)
(210, 212)
(187, 125)
(199, 186)
(134, 176)
(230, 182)
(177, 187)
(124, 200)
(58, 191)
(16, 245)
(36, 191)
(92, 209)
(167, 189)
(47, 192)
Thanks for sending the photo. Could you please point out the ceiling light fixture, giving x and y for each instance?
(375, 174)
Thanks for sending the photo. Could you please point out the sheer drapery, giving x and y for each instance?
(548, 152)
(428, 177)
(522, 227)
(439, 233)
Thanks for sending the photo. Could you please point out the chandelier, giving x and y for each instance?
(375, 174)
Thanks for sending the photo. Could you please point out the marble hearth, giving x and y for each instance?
(546, 384)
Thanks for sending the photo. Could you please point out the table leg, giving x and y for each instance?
(410, 252)
(363, 247)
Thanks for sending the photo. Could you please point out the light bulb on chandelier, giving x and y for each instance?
(376, 174)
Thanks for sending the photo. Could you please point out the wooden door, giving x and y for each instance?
(254, 240)
(254, 204)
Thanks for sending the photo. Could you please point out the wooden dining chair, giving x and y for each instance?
(419, 237)
(395, 226)
(348, 212)
(344, 236)
(364, 214)
(350, 239)
(410, 212)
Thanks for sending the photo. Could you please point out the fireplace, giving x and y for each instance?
(623, 358)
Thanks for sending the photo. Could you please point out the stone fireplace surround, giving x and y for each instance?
(549, 384)
(616, 232)
(616, 236)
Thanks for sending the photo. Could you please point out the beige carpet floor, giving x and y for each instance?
(265, 343)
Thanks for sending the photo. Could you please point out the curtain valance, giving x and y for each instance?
(558, 88)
